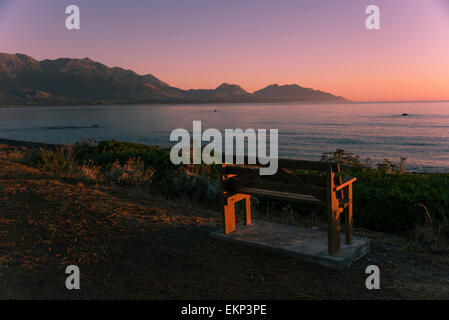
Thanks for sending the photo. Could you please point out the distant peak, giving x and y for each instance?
(293, 92)
(231, 89)
(227, 85)
(16, 56)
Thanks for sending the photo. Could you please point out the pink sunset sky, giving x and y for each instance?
(322, 44)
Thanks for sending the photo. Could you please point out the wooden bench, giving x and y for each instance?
(313, 182)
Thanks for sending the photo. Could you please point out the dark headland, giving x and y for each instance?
(26, 81)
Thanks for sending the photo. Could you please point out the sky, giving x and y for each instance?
(322, 44)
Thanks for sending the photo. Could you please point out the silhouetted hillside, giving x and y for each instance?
(24, 80)
(293, 92)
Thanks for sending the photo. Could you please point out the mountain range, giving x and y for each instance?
(26, 81)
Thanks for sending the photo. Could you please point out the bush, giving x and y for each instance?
(132, 173)
(165, 176)
(393, 202)
(197, 189)
(90, 172)
(386, 198)
(62, 161)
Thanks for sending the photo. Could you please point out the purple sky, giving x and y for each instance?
(201, 43)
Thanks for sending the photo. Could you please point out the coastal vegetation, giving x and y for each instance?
(386, 197)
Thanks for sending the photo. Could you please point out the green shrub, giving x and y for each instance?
(386, 198)
(394, 202)
(197, 189)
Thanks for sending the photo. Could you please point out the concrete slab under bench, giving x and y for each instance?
(307, 244)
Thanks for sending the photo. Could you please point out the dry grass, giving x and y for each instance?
(435, 234)
(16, 154)
(132, 173)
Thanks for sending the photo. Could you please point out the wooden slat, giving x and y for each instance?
(236, 198)
(348, 216)
(304, 164)
(314, 179)
(302, 186)
(239, 170)
(346, 182)
(280, 195)
(231, 185)
(269, 185)
(340, 195)
(319, 181)
(290, 163)
(236, 183)
(344, 203)
(277, 186)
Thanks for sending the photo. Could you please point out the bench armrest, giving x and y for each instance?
(345, 184)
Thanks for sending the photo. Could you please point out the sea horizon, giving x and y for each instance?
(306, 130)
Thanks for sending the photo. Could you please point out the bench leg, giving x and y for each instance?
(229, 211)
(333, 232)
(348, 216)
(229, 216)
(333, 224)
(247, 210)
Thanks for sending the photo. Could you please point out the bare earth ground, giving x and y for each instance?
(130, 249)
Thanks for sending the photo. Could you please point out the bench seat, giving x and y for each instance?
(280, 195)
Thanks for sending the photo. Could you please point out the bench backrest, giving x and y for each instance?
(301, 180)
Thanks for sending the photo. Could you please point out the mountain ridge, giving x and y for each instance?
(27, 81)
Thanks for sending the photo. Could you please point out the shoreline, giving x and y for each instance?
(169, 103)
(31, 144)
(212, 103)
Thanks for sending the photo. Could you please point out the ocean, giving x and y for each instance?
(370, 130)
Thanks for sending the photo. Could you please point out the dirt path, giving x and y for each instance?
(132, 250)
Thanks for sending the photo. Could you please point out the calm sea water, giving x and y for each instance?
(370, 130)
